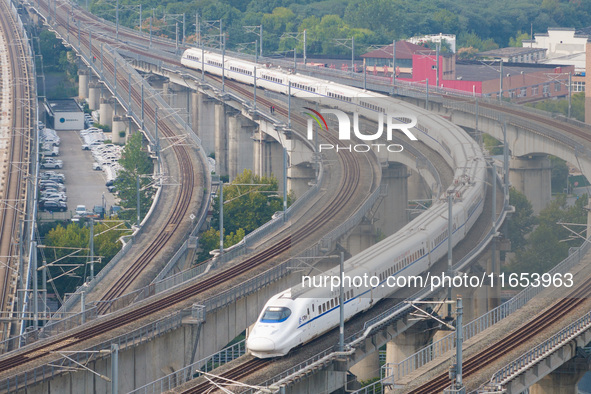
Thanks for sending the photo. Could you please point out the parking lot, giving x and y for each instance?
(84, 185)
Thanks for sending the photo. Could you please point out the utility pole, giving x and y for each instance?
(221, 217)
(450, 200)
(393, 64)
(437, 67)
(501, 81)
(570, 84)
(304, 47)
(35, 286)
(91, 248)
(342, 305)
(117, 21)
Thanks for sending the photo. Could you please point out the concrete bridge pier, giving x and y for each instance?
(119, 129)
(329, 380)
(368, 368)
(83, 79)
(203, 120)
(360, 238)
(391, 213)
(268, 157)
(222, 113)
(417, 187)
(240, 155)
(94, 95)
(106, 111)
(178, 97)
(531, 175)
(405, 345)
(299, 178)
(563, 380)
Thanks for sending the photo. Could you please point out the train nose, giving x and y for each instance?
(259, 344)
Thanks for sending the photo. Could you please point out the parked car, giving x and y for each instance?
(96, 166)
(47, 195)
(52, 164)
(53, 206)
(99, 211)
(81, 210)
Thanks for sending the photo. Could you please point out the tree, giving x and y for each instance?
(67, 238)
(522, 221)
(559, 174)
(517, 41)
(250, 202)
(492, 145)
(136, 164)
(549, 243)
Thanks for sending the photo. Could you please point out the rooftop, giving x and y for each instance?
(64, 105)
(480, 71)
(510, 51)
(404, 50)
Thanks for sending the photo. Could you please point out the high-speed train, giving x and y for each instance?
(304, 312)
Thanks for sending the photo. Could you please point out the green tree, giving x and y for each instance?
(249, 202)
(136, 164)
(522, 221)
(559, 174)
(492, 145)
(517, 41)
(61, 242)
(560, 106)
(549, 243)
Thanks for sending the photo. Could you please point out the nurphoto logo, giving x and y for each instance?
(402, 122)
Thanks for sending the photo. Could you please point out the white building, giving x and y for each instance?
(449, 38)
(563, 46)
(64, 114)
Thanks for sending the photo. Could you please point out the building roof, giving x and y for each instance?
(510, 51)
(479, 71)
(404, 50)
(64, 105)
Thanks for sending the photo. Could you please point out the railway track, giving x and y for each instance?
(18, 150)
(234, 374)
(524, 333)
(346, 191)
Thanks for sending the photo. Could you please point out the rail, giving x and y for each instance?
(28, 226)
(476, 326)
(398, 311)
(133, 338)
(187, 373)
(541, 351)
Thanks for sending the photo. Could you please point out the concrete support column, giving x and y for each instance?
(417, 187)
(240, 155)
(94, 95)
(531, 175)
(299, 178)
(405, 345)
(268, 157)
(204, 120)
(563, 380)
(83, 79)
(392, 209)
(368, 368)
(221, 140)
(106, 112)
(119, 125)
(178, 97)
(361, 238)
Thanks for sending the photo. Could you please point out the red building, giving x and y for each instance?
(520, 81)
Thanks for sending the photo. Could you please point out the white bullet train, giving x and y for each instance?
(302, 313)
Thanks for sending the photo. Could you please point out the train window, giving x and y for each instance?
(312, 307)
(275, 314)
(308, 310)
(332, 303)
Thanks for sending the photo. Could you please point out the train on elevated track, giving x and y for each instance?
(304, 312)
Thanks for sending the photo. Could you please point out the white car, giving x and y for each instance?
(81, 210)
